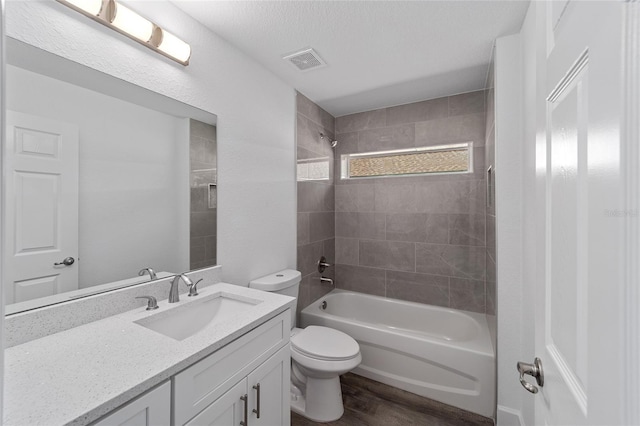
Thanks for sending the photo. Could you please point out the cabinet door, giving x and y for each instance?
(152, 408)
(228, 410)
(270, 381)
(207, 380)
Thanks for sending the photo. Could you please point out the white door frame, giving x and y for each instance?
(630, 134)
(2, 189)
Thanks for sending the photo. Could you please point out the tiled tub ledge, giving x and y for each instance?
(76, 376)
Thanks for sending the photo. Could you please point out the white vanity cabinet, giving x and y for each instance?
(152, 408)
(157, 380)
(264, 393)
(218, 389)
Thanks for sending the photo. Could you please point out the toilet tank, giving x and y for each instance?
(284, 282)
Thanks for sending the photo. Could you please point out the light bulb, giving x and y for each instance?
(92, 7)
(173, 46)
(132, 23)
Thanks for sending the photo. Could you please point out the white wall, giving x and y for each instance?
(508, 180)
(256, 118)
(520, 119)
(130, 177)
(531, 115)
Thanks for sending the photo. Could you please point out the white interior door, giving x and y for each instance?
(41, 207)
(578, 324)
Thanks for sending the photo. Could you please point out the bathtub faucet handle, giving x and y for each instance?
(322, 264)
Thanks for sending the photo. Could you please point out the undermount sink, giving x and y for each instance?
(184, 321)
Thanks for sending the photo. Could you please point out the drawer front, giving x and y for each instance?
(204, 382)
(152, 408)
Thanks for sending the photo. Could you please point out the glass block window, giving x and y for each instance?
(313, 169)
(455, 158)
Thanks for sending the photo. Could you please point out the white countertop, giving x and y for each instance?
(76, 376)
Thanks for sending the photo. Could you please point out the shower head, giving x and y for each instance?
(332, 142)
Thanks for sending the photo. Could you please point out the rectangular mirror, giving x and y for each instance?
(107, 184)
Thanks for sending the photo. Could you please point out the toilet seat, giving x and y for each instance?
(324, 344)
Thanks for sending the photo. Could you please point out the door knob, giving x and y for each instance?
(66, 262)
(534, 370)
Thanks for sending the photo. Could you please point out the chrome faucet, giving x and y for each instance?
(151, 272)
(173, 292)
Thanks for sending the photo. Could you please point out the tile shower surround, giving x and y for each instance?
(316, 212)
(418, 238)
(203, 215)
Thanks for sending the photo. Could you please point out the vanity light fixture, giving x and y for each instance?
(132, 24)
(174, 47)
(125, 21)
(92, 7)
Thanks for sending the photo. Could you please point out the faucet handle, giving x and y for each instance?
(152, 303)
(323, 264)
(193, 288)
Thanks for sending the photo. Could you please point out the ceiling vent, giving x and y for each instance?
(305, 60)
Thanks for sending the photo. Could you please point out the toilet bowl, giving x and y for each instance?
(319, 355)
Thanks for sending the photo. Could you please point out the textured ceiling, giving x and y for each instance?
(378, 53)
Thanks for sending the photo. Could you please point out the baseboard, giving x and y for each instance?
(509, 417)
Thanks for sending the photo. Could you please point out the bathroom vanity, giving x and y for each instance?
(121, 371)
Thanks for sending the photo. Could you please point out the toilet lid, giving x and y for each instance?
(325, 343)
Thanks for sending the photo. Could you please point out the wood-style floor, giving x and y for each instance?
(369, 403)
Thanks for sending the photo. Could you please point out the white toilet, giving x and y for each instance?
(319, 356)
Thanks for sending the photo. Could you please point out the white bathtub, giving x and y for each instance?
(439, 353)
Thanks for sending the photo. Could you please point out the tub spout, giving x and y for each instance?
(326, 280)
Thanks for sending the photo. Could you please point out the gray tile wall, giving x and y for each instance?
(203, 224)
(419, 238)
(316, 201)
